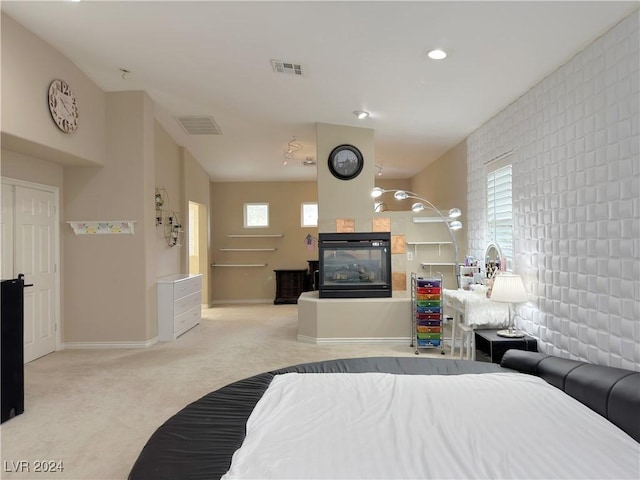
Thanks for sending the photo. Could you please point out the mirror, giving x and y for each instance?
(492, 259)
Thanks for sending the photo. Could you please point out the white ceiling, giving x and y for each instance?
(214, 58)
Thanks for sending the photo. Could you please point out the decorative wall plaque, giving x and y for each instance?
(98, 227)
(398, 244)
(398, 281)
(381, 225)
(345, 225)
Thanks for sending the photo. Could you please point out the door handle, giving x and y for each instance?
(21, 277)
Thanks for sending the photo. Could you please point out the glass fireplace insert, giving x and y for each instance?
(354, 265)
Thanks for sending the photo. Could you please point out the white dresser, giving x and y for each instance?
(179, 304)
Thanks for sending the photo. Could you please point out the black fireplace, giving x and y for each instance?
(355, 265)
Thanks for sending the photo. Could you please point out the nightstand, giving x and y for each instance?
(490, 347)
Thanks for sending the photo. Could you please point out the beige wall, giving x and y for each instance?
(227, 203)
(28, 67)
(444, 183)
(167, 176)
(24, 167)
(110, 283)
(344, 198)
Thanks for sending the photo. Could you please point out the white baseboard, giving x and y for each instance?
(125, 344)
(241, 302)
(357, 340)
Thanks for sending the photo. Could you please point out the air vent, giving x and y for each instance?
(286, 67)
(198, 125)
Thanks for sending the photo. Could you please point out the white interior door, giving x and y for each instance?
(34, 229)
(6, 232)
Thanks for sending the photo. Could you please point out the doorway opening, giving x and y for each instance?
(198, 245)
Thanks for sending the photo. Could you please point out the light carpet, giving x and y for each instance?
(93, 410)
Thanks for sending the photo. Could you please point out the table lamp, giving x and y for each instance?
(508, 288)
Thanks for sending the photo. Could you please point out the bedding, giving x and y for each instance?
(389, 426)
(199, 441)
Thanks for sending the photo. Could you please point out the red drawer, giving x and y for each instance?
(428, 290)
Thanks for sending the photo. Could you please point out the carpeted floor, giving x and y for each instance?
(92, 411)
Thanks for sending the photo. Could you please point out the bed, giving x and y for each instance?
(388, 417)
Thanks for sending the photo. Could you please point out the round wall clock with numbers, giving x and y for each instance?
(63, 106)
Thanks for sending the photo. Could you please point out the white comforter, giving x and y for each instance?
(384, 426)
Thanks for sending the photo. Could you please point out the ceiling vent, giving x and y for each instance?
(199, 125)
(286, 67)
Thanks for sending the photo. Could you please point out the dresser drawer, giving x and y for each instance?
(186, 303)
(179, 304)
(186, 287)
(186, 320)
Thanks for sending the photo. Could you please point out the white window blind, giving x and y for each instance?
(500, 211)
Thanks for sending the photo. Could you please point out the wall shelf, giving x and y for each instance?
(240, 235)
(428, 220)
(239, 264)
(430, 266)
(438, 244)
(437, 264)
(248, 249)
(429, 243)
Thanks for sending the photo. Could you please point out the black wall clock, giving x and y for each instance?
(345, 162)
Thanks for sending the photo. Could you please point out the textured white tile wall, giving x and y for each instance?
(576, 198)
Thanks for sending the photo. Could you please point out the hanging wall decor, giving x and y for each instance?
(111, 227)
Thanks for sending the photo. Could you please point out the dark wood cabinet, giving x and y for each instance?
(289, 285)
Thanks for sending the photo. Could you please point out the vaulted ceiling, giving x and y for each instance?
(214, 59)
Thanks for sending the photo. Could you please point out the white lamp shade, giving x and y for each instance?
(508, 288)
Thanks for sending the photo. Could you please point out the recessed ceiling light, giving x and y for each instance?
(361, 114)
(437, 54)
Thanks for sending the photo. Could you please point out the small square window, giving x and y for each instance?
(309, 214)
(256, 215)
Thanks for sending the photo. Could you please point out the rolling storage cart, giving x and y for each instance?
(426, 312)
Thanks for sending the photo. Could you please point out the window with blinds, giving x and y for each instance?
(500, 211)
